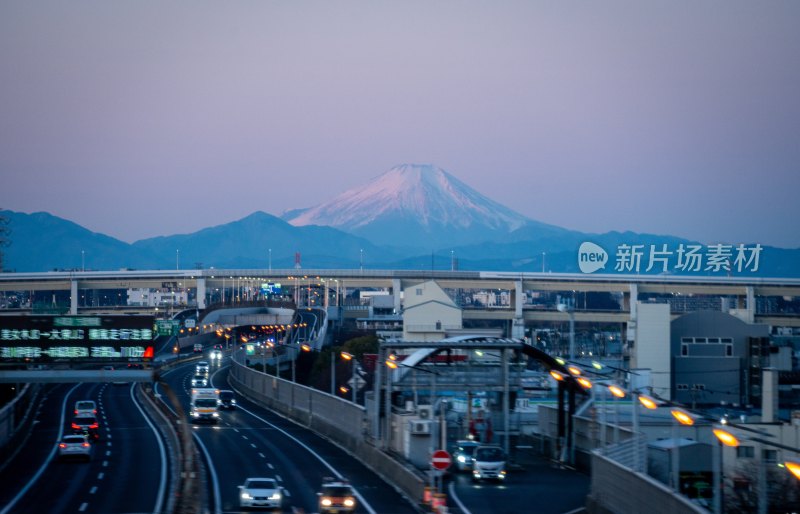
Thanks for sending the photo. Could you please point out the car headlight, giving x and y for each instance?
(246, 496)
(326, 502)
(216, 414)
(276, 496)
(462, 459)
(349, 502)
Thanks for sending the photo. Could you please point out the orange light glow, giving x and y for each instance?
(557, 375)
(648, 402)
(793, 467)
(683, 417)
(584, 382)
(617, 391)
(726, 438)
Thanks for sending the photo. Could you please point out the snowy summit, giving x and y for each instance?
(412, 203)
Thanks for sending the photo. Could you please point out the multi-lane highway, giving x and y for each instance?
(128, 470)
(251, 441)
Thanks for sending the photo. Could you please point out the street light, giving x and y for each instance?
(563, 307)
(350, 357)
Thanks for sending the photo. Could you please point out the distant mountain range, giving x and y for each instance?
(414, 217)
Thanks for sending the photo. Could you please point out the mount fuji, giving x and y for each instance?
(419, 206)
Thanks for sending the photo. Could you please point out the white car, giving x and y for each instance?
(216, 355)
(202, 368)
(260, 492)
(75, 446)
(199, 381)
(85, 408)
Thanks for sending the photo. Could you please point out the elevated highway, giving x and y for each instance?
(742, 291)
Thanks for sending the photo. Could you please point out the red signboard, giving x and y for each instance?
(441, 460)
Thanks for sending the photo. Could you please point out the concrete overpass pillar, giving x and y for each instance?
(633, 301)
(396, 290)
(73, 297)
(518, 326)
(201, 292)
(751, 304)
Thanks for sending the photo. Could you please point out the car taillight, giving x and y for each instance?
(85, 445)
(62, 445)
(93, 425)
(76, 411)
(76, 426)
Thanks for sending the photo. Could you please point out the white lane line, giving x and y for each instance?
(108, 453)
(93, 490)
(453, 495)
(236, 430)
(49, 458)
(269, 465)
(109, 436)
(214, 480)
(312, 452)
(262, 455)
(252, 445)
(100, 476)
(105, 463)
(286, 492)
(108, 443)
(279, 478)
(162, 487)
(83, 507)
(244, 436)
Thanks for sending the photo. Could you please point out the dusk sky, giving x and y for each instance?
(147, 118)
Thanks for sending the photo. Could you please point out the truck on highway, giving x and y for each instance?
(204, 405)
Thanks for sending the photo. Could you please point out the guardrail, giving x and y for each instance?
(340, 421)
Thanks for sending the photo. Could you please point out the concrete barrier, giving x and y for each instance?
(336, 419)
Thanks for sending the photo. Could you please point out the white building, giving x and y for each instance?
(151, 298)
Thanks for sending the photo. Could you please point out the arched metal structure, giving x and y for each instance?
(426, 349)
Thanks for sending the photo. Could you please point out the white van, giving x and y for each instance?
(85, 408)
(488, 462)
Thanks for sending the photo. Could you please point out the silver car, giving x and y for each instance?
(75, 447)
(260, 492)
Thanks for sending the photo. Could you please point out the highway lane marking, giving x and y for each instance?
(105, 463)
(253, 445)
(49, 458)
(100, 476)
(262, 455)
(455, 497)
(108, 443)
(93, 490)
(163, 484)
(83, 507)
(269, 465)
(278, 478)
(312, 452)
(244, 436)
(108, 453)
(213, 471)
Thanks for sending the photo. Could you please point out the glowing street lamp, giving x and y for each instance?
(617, 391)
(683, 417)
(793, 467)
(647, 402)
(726, 438)
(584, 382)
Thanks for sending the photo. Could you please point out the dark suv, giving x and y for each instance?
(226, 399)
(86, 425)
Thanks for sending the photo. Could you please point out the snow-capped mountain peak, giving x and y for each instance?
(428, 195)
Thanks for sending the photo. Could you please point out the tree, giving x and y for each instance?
(5, 232)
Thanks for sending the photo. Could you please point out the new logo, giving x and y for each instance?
(591, 257)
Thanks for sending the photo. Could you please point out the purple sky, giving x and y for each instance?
(147, 118)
